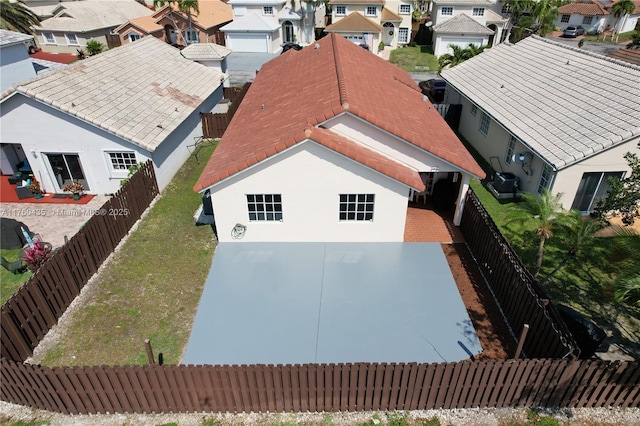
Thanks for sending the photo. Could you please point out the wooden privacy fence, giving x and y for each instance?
(322, 387)
(37, 305)
(215, 124)
(519, 296)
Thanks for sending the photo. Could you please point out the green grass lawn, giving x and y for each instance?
(10, 282)
(414, 59)
(620, 38)
(149, 290)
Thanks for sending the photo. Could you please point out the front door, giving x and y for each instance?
(388, 31)
(66, 168)
(287, 32)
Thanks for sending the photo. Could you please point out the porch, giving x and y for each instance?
(426, 225)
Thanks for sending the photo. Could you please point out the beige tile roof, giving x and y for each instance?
(354, 22)
(564, 103)
(205, 51)
(212, 13)
(81, 16)
(12, 37)
(371, 2)
(462, 24)
(141, 91)
(388, 15)
(492, 16)
(146, 24)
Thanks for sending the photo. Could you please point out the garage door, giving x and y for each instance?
(463, 43)
(248, 43)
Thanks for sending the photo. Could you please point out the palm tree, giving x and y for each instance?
(546, 212)
(625, 254)
(185, 6)
(17, 17)
(621, 8)
(459, 55)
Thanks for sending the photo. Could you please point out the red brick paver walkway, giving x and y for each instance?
(427, 226)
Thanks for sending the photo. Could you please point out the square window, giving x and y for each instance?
(341, 10)
(49, 38)
(484, 124)
(133, 37)
(371, 11)
(403, 35)
(565, 18)
(267, 10)
(264, 207)
(71, 39)
(405, 9)
(474, 110)
(506, 8)
(446, 11)
(587, 20)
(478, 11)
(122, 160)
(192, 36)
(356, 207)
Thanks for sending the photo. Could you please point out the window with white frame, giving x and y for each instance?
(587, 20)
(478, 11)
(506, 8)
(356, 207)
(341, 10)
(264, 207)
(511, 147)
(267, 10)
(122, 160)
(72, 40)
(371, 11)
(565, 18)
(192, 36)
(49, 38)
(545, 178)
(474, 110)
(133, 37)
(446, 11)
(405, 9)
(593, 188)
(484, 124)
(403, 35)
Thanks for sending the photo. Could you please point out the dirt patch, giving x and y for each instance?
(497, 343)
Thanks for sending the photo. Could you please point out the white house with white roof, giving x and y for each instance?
(555, 116)
(210, 55)
(15, 63)
(463, 22)
(94, 119)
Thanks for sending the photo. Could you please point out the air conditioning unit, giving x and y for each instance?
(506, 182)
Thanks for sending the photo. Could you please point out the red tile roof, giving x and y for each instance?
(587, 9)
(627, 55)
(296, 92)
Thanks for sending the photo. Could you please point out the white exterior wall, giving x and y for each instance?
(62, 46)
(439, 18)
(378, 140)
(443, 41)
(15, 65)
(612, 160)
(597, 24)
(310, 178)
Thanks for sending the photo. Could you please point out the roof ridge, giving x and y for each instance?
(585, 52)
(342, 87)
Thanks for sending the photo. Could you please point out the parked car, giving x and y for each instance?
(290, 46)
(31, 46)
(434, 89)
(573, 31)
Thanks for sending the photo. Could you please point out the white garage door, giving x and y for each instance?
(460, 42)
(248, 43)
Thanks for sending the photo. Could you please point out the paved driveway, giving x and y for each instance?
(291, 303)
(242, 67)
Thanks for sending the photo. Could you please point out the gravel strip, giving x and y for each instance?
(455, 417)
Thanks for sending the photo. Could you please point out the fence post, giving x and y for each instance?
(523, 336)
(147, 345)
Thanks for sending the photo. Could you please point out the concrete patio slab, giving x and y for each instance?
(293, 303)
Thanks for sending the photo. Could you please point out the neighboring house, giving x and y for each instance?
(556, 116)
(370, 22)
(335, 153)
(596, 16)
(15, 63)
(95, 118)
(464, 22)
(172, 26)
(72, 24)
(262, 26)
(631, 56)
(210, 55)
(592, 15)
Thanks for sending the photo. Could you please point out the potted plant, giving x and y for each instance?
(36, 189)
(36, 255)
(75, 187)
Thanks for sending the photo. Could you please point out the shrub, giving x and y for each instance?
(94, 47)
(37, 255)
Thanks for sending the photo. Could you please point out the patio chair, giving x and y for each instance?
(16, 267)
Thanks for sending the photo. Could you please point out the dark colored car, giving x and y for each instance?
(573, 31)
(433, 89)
(290, 46)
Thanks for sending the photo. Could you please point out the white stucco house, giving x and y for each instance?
(15, 63)
(555, 116)
(463, 22)
(263, 26)
(94, 119)
(210, 55)
(370, 22)
(596, 16)
(334, 156)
